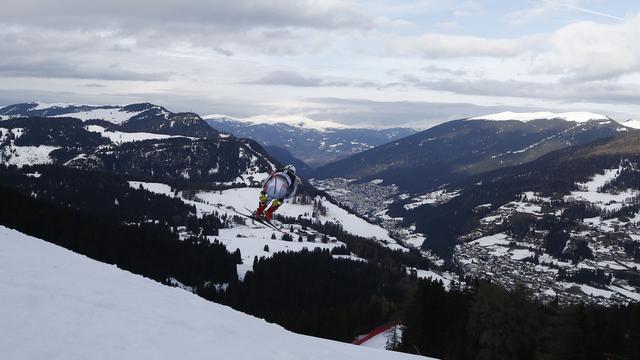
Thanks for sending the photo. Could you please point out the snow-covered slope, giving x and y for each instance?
(252, 237)
(576, 116)
(60, 305)
(113, 115)
(119, 137)
(632, 123)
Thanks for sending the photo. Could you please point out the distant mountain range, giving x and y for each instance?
(315, 143)
(142, 141)
(457, 149)
(143, 117)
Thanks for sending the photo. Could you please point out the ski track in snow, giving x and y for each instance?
(60, 305)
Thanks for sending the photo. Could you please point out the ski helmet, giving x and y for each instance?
(290, 168)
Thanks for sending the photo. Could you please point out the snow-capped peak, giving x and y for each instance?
(575, 116)
(300, 121)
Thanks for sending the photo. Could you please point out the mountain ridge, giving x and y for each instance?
(456, 149)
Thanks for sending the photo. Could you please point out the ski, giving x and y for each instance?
(265, 222)
(261, 221)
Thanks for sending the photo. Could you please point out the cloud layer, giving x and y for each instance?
(394, 61)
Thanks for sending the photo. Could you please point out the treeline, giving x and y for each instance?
(312, 293)
(149, 249)
(98, 193)
(487, 322)
(365, 248)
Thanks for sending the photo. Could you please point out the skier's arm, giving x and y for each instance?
(264, 183)
(293, 191)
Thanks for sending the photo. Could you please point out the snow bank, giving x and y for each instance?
(60, 305)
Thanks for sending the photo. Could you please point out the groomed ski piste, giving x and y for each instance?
(57, 304)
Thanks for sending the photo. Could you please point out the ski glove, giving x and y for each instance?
(263, 197)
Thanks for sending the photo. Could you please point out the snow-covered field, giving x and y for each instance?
(433, 198)
(444, 277)
(119, 137)
(60, 305)
(26, 155)
(10, 154)
(251, 240)
(116, 115)
(591, 191)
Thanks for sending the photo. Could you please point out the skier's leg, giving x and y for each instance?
(262, 205)
(275, 204)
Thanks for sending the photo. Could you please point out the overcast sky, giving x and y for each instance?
(380, 62)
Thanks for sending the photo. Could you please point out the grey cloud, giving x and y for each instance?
(222, 51)
(289, 78)
(434, 69)
(62, 69)
(14, 96)
(292, 78)
(434, 45)
(398, 113)
(601, 92)
(177, 14)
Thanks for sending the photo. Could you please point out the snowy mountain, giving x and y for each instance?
(222, 160)
(314, 142)
(457, 149)
(576, 116)
(80, 308)
(143, 117)
(632, 123)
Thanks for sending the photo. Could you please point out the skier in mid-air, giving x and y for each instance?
(279, 186)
